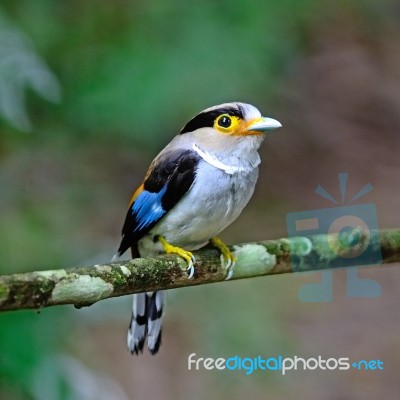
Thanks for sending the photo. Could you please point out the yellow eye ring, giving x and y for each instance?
(226, 123)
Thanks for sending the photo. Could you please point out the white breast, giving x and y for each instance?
(214, 201)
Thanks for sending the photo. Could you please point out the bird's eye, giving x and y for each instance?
(224, 121)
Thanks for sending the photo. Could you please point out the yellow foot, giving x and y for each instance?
(186, 255)
(226, 253)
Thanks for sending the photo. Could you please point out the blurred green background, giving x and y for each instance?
(91, 91)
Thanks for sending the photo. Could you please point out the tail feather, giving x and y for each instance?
(138, 326)
(146, 320)
(154, 321)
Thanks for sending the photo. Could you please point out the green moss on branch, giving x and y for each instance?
(83, 286)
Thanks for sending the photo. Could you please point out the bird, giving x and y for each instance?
(194, 188)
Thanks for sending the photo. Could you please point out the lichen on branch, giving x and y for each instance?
(83, 286)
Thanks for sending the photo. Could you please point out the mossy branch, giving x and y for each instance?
(83, 286)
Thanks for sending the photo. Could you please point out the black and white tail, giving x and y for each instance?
(146, 321)
(147, 314)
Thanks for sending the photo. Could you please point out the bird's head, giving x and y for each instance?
(229, 124)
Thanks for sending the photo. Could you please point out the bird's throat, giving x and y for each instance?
(212, 160)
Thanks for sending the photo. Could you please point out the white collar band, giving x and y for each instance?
(210, 159)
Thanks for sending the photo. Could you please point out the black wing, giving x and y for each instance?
(169, 178)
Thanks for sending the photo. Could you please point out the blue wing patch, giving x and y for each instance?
(167, 181)
(147, 208)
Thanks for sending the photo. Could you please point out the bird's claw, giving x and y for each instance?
(190, 267)
(229, 258)
(229, 267)
(186, 255)
(229, 274)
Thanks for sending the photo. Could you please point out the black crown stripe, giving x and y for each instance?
(207, 118)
